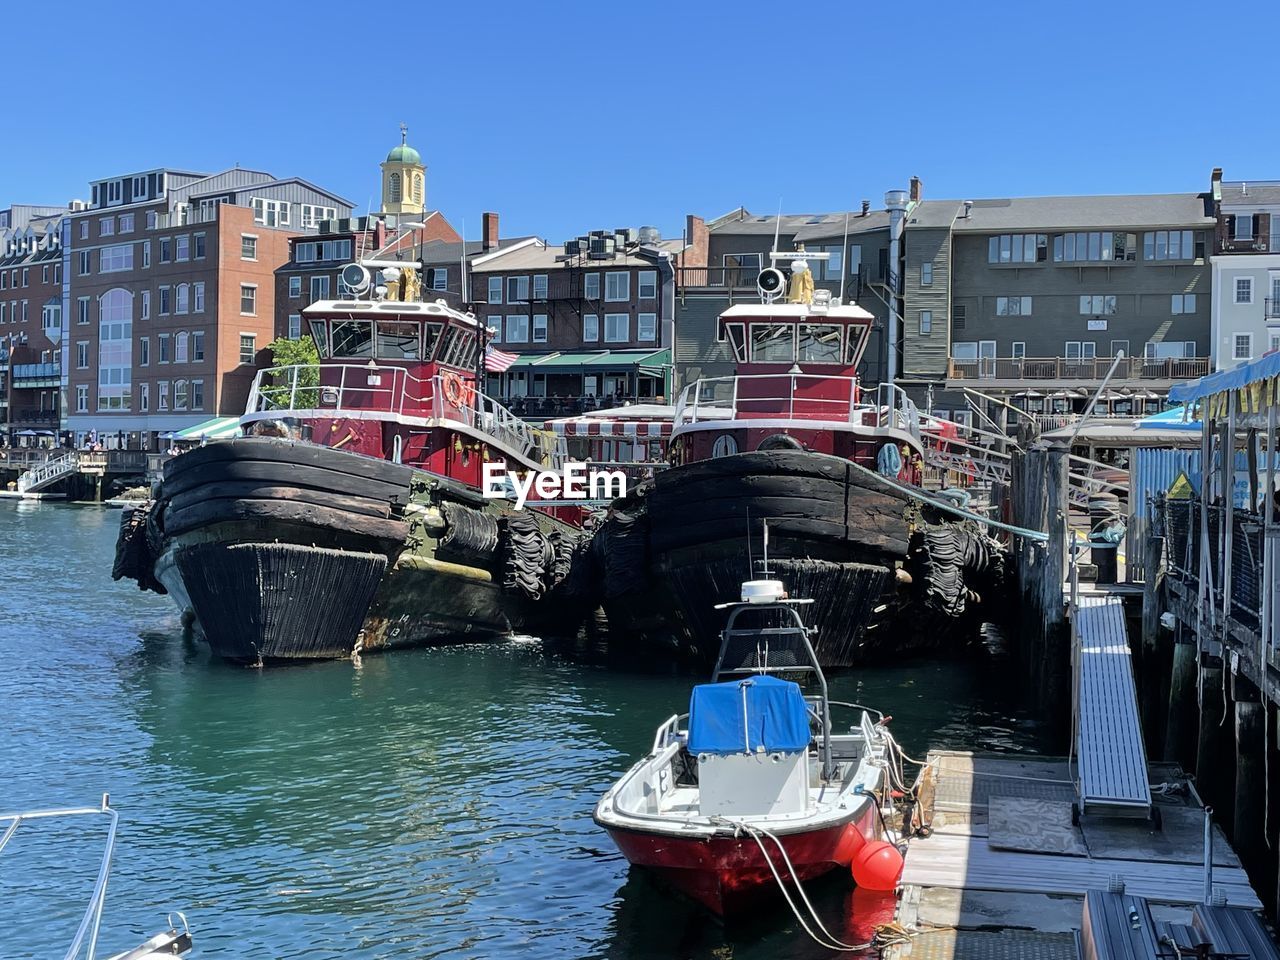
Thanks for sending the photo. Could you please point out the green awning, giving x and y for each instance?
(219, 428)
(592, 360)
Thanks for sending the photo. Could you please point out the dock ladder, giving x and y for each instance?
(1111, 759)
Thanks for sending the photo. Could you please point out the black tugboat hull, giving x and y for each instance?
(286, 551)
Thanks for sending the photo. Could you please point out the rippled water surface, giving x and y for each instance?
(431, 803)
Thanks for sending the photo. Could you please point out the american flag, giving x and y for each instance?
(495, 361)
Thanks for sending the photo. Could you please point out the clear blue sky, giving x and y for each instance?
(566, 117)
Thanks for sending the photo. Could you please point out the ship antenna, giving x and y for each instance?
(844, 252)
(777, 227)
(462, 281)
(765, 523)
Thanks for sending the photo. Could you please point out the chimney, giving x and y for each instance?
(490, 234)
(866, 207)
(968, 209)
(697, 239)
(916, 190)
(1216, 176)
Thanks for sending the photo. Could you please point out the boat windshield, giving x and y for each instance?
(397, 340)
(819, 343)
(352, 338)
(772, 342)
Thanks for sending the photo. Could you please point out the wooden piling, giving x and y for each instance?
(1182, 718)
(1156, 659)
(1215, 775)
(1251, 783)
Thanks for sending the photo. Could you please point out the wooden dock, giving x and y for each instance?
(1005, 870)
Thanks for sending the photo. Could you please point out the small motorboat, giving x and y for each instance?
(175, 941)
(752, 790)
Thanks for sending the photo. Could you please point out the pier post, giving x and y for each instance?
(1157, 647)
(1181, 724)
(1251, 782)
(1215, 777)
(1056, 662)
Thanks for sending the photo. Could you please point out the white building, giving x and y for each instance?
(1246, 270)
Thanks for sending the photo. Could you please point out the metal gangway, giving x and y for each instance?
(1111, 758)
(51, 471)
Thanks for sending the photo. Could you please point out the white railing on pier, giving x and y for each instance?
(775, 395)
(392, 393)
(48, 472)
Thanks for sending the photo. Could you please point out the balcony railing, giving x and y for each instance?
(1076, 371)
(309, 391)
(36, 374)
(33, 416)
(1251, 245)
(1271, 308)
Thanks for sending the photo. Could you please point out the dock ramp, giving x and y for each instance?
(1111, 759)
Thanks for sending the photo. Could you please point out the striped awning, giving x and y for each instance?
(219, 428)
(600, 427)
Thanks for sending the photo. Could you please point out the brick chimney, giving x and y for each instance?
(916, 190)
(490, 234)
(696, 236)
(1216, 176)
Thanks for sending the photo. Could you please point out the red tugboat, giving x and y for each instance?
(351, 516)
(793, 439)
(752, 792)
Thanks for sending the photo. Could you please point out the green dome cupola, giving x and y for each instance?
(403, 179)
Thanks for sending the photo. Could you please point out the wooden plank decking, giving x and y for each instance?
(1112, 761)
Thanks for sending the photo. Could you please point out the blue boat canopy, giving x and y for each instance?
(741, 716)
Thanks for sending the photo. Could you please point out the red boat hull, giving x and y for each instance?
(730, 874)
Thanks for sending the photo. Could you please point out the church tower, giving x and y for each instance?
(404, 179)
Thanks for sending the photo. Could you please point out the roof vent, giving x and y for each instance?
(968, 208)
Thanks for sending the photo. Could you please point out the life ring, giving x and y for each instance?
(457, 391)
(780, 441)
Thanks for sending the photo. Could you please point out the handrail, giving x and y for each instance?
(406, 395)
(700, 396)
(48, 471)
(92, 919)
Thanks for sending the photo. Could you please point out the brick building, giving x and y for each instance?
(171, 295)
(31, 264)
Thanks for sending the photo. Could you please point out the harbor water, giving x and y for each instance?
(432, 803)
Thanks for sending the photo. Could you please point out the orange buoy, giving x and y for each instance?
(877, 866)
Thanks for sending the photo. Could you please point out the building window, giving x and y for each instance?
(162, 395)
(617, 289)
(248, 247)
(180, 343)
(495, 289)
(182, 302)
(1077, 350)
(179, 395)
(83, 257)
(197, 394)
(540, 286)
(517, 289)
(115, 350)
(146, 253)
(834, 263)
(197, 304)
(115, 259)
(1097, 304)
(295, 287)
(165, 298)
(617, 327)
(517, 329)
(1168, 245)
(197, 346)
(539, 328)
(144, 397)
(82, 398)
(107, 227)
(1183, 303)
(313, 216)
(591, 286)
(126, 223)
(249, 300)
(144, 351)
(271, 213)
(1018, 248)
(151, 219)
(1243, 227)
(439, 278)
(162, 351)
(166, 250)
(1244, 290)
(1013, 306)
(82, 310)
(84, 229)
(926, 322)
(495, 327)
(649, 284)
(1275, 343)
(248, 347)
(182, 247)
(590, 328)
(295, 326)
(1242, 348)
(647, 327)
(26, 276)
(395, 190)
(926, 274)
(1096, 247)
(44, 274)
(319, 288)
(1019, 351)
(82, 355)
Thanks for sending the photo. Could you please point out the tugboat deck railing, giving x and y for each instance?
(371, 391)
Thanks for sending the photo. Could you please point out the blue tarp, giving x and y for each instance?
(742, 715)
(1170, 420)
(1263, 368)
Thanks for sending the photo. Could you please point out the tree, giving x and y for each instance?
(295, 375)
